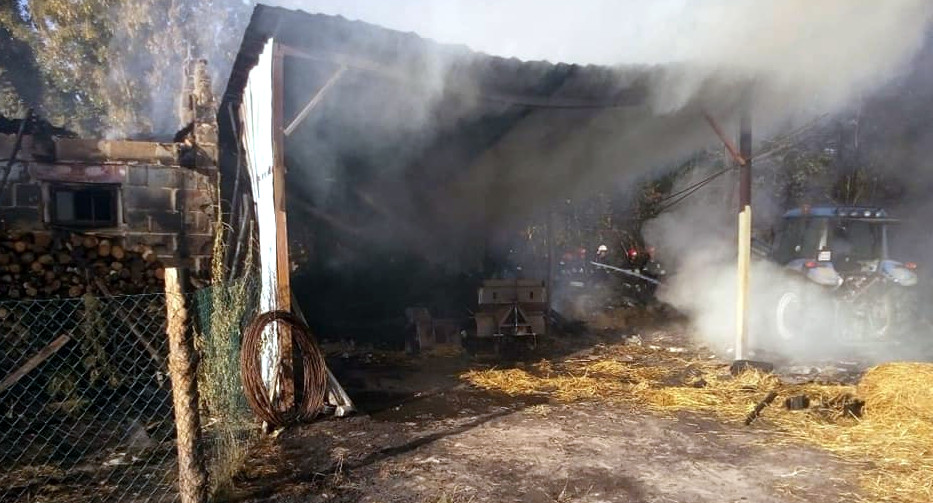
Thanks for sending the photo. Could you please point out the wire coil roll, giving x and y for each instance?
(312, 378)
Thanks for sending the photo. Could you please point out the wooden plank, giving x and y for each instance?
(745, 233)
(313, 102)
(282, 265)
(127, 320)
(34, 362)
(78, 173)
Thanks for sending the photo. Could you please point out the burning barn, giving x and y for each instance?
(384, 170)
(379, 180)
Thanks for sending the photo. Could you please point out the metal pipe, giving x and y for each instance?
(235, 194)
(550, 253)
(745, 154)
(628, 272)
(740, 159)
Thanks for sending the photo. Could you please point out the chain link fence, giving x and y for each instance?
(87, 409)
(228, 425)
(86, 401)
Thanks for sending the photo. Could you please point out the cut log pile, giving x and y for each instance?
(38, 266)
(95, 344)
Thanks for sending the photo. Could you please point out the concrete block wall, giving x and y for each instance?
(168, 208)
(19, 206)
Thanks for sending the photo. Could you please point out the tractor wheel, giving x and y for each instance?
(789, 316)
(470, 342)
(881, 316)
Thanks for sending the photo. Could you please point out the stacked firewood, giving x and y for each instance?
(38, 266)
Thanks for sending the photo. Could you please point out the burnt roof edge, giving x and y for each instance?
(97, 151)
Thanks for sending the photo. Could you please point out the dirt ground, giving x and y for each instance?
(423, 436)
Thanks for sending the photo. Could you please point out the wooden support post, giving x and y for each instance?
(182, 367)
(549, 226)
(744, 263)
(283, 301)
(744, 234)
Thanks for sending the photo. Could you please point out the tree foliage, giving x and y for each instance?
(111, 67)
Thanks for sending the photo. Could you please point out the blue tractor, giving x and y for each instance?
(841, 282)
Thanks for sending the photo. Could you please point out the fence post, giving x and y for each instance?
(182, 366)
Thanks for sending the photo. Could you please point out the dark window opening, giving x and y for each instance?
(857, 239)
(87, 206)
(799, 238)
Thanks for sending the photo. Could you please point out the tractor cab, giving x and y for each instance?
(831, 244)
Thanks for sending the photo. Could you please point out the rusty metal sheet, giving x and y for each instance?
(78, 173)
(90, 150)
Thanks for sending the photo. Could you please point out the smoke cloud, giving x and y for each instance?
(794, 57)
(792, 60)
(148, 46)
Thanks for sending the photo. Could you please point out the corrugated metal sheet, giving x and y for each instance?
(372, 48)
(256, 117)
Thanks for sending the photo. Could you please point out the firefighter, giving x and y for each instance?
(602, 253)
(602, 274)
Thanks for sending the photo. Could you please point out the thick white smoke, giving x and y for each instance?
(696, 241)
(802, 58)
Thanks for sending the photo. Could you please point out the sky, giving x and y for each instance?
(581, 31)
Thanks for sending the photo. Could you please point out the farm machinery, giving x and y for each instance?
(510, 316)
(842, 279)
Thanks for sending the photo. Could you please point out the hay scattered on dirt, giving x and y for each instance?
(444, 351)
(892, 436)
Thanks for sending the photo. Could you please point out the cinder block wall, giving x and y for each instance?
(167, 208)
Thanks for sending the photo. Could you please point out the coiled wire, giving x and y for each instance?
(311, 383)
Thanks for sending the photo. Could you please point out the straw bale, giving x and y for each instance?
(899, 388)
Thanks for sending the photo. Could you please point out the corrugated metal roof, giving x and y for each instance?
(372, 48)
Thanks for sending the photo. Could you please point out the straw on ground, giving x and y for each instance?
(892, 439)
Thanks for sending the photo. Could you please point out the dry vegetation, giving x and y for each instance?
(229, 424)
(891, 436)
